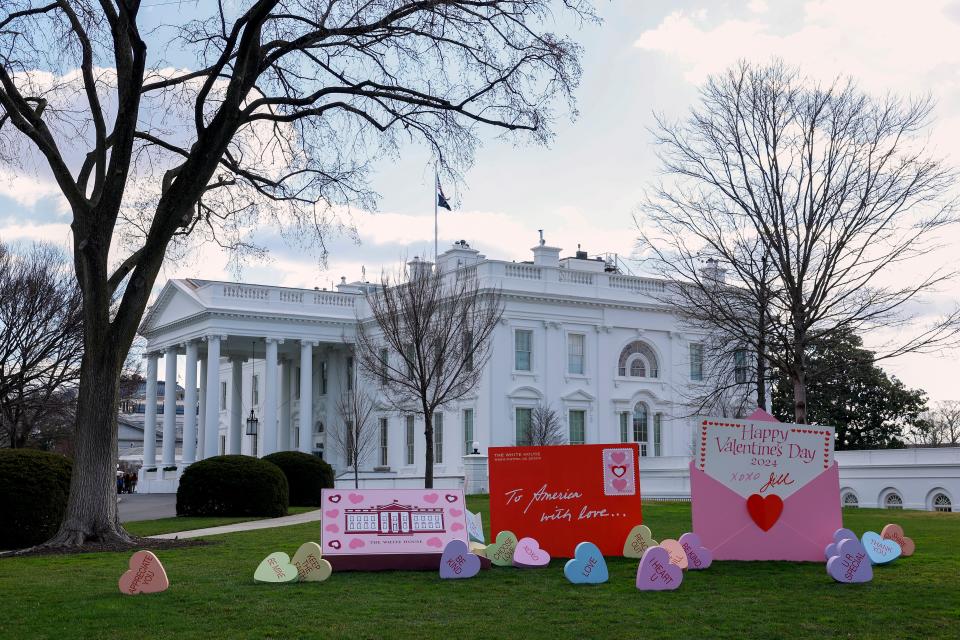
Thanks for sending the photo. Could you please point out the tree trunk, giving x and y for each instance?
(761, 373)
(428, 436)
(799, 387)
(91, 514)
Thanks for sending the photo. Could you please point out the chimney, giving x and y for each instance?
(713, 273)
(545, 256)
(418, 268)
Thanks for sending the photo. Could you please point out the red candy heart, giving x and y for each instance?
(765, 510)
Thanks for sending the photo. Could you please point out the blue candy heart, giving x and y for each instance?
(880, 550)
(587, 565)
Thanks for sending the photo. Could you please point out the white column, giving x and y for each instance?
(334, 389)
(212, 431)
(202, 413)
(306, 396)
(170, 407)
(269, 423)
(283, 440)
(190, 405)
(150, 414)
(236, 406)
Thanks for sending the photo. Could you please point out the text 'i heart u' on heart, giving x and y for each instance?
(656, 572)
(457, 562)
(587, 565)
(638, 540)
(311, 567)
(275, 568)
(144, 574)
(765, 510)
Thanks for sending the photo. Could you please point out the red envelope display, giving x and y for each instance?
(563, 495)
(787, 472)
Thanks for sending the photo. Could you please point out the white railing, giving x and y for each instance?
(576, 277)
(335, 299)
(245, 292)
(525, 271)
(634, 283)
(291, 296)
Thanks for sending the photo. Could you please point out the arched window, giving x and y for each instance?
(641, 416)
(850, 500)
(941, 502)
(639, 359)
(893, 501)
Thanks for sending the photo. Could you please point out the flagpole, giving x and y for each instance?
(436, 184)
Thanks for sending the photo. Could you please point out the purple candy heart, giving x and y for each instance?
(851, 563)
(655, 572)
(838, 536)
(698, 556)
(458, 562)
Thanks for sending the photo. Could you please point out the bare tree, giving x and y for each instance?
(41, 345)
(545, 427)
(428, 341)
(356, 436)
(832, 186)
(940, 427)
(290, 102)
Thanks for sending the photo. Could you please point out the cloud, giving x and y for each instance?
(27, 190)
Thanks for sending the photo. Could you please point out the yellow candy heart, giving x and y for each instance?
(638, 540)
(310, 566)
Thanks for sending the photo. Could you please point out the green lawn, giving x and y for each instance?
(170, 525)
(212, 595)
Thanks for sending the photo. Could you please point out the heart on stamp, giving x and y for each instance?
(501, 551)
(335, 498)
(587, 565)
(310, 566)
(638, 540)
(275, 568)
(144, 575)
(656, 572)
(895, 532)
(529, 555)
(698, 556)
(618, 470)
(618, 456)
(880, 550)
(838, 536)
(765, 510)
(677, 555)
(851, 563)
(619, 484)
(457, 562)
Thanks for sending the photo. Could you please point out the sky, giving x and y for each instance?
(646, 57)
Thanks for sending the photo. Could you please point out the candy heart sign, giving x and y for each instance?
(145, 575)
(895, 532)
(475, 527)
(656, 573)
(457, 561)
(638, 540)
(275, 568)
(838, 536)
(587, 565)
(677, 555)
(879, 550)
(310, 566)
(698, 556)
(529, 555)
(500, 552)
(851, 563)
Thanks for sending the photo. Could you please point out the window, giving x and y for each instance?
(384, 362)
(223, 396)
(223, 445)
(438, 438)
(576, 420)
(524, 417)
(297, 387)
(349, 374)
(850, 500)
(740, 366)
(893, 501)
(696, 361)
(410, 356)
(624, 430)
(575, 353)
(639, 359)
(640, 418)
(637, 369)
(941, 502)
(296, 435)
(255, 392)
(522, 349)
(383, 442)
(657, 434)
(323, 378)
(467, 431)
(410, 436)
(468, 350)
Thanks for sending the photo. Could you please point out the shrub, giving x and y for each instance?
(306, 475)
(34, 486)
(233, 486)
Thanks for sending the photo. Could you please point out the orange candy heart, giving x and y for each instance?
(895, 532)
(678, 556)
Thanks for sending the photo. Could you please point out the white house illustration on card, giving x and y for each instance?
(394, 519)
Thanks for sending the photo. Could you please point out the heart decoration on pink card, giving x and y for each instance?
(457, 561)
(435, 542)
(334, 544)
(675, 551)
(838, 536)
(451, 498)
(431, 497)
(356, 543)
(656, 572)
(851, 563)
(456, 526)
(332, 513)
(355, 498)
(335, 498)
(145, 575)
(698, 556)
(456, 513)
(332, 528)
(765, 510)
(895, 532)
(529, 555)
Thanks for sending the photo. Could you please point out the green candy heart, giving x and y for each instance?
(638, 540)
(500, 552)
(275, 568)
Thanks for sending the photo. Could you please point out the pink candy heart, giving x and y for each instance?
(851, 563)
(458, 562)
(145, 575)
(698, 556)
(528, 554)
(655, 572)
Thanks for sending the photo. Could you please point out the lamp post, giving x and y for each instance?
(253, 423)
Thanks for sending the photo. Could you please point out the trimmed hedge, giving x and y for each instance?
(233, 486)
(34, 486)
(306, 475)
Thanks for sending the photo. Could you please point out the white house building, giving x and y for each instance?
(577, 335)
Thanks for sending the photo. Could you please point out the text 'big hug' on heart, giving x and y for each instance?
(145, 575)
(765, 510)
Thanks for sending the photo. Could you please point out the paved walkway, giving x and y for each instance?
(147, 506)
(253, 525)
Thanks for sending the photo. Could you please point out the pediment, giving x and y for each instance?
(579, 395)
(175, 302)
(525, 393)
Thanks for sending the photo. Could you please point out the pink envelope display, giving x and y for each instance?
(811, 513)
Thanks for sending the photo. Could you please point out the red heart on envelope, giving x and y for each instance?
(765, 510)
